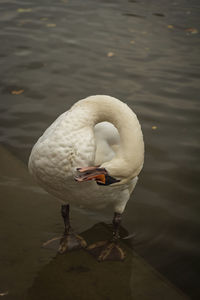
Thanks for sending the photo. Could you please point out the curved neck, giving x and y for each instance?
(129, 159)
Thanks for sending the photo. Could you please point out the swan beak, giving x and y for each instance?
(91, 173)
(100, 175)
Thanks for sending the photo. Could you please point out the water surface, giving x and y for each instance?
(141, 52)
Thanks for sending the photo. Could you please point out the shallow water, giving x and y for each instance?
(62, 51)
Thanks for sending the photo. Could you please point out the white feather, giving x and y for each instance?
(79, 138)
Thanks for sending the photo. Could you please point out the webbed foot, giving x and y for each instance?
(107, 250)
(68, 242)
(71, 241)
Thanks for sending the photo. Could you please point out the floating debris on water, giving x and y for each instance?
(17, 92)
(110, 54)
(24, 10)
(51, 25)
(191, 30)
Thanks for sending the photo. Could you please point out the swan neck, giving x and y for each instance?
(129, 158)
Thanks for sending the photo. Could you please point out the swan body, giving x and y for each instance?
(97, 131)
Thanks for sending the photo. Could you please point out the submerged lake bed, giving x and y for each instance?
(146, 54)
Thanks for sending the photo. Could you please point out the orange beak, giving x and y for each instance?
(91, 173)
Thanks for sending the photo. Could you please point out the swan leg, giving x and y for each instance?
(109, 250)
(70, 239)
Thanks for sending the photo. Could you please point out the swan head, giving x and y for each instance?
(106, 174)
(99, 174)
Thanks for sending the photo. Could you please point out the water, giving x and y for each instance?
(62, 51)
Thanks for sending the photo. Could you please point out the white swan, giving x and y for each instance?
(99, 143)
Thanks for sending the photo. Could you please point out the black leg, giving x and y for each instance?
(65, 215)
(116, 224)
(70, 240)
(109, 250)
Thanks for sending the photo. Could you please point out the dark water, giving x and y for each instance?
(141, 52)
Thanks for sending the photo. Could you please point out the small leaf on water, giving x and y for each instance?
(17, 92)
(24, 10)
(110, 54)
(191, 30)
(170, 26)
(51, 25)
(132, 42)
(154, 127)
